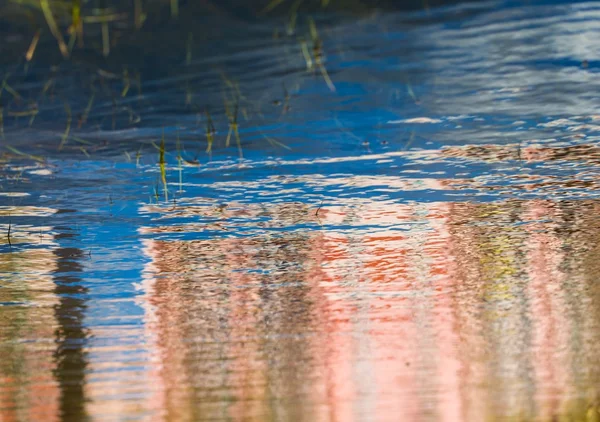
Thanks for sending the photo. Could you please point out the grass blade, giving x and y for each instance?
(45, 5)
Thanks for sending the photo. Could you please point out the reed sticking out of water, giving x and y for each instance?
(49, 84)
(32, 118)
(65, 136)
(293, 17)
(411, 92)
(45, 5)
(162, 164)
(233, 85)
(306, 54)
(233, 126)
(179, 161)
(156, 190)
(86, 111)
(8, 234)
(319, 209)
(77, 22)
(210, 132)
(2, 123)
(233, 117)
(33, 46)
(229, 119)
(318, 53)
(126, 83)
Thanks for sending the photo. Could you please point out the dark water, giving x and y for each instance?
(421, 243)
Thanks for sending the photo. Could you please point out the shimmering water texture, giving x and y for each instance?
(424, 247)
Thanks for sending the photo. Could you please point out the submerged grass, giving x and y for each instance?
(23, 113)
(318, 53)
(6, 87)
(276, 143)
(110, 81)
(20, 153)
(45, 5)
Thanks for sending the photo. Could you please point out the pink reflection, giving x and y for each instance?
(410, 312)
(550, 325)
(389, 358)
(28, 388)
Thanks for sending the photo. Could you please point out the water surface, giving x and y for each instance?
(419, 244)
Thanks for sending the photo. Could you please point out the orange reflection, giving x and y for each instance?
(455, 311)
(28, 388)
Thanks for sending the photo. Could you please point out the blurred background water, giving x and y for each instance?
(407, 230)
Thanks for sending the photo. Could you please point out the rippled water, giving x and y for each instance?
(419, 244)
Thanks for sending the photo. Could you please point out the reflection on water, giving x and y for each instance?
(28, 389)
(359, 306)
(41, 309)
(70, 334)
(427, 249)
(455, 311)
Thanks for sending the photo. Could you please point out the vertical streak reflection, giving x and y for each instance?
(71, 360)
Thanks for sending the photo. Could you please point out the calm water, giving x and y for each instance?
(428, 248)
